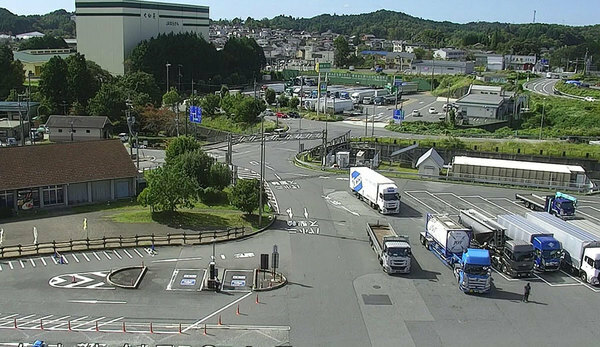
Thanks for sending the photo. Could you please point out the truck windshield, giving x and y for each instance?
(476, 269)
(390, 196)
(553, 254)
(398, 252)
(523, 256)
(597, 264)
(566, 205)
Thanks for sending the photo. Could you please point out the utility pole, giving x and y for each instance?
(167, 65)
(28, 108)
(21, 121)
(262, 160)
(179, 66)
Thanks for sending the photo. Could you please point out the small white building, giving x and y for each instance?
(430, 163)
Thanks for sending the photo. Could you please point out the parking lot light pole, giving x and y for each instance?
(167, 65)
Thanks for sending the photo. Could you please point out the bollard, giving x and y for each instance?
(180, 328)
(73, 279)
(41, 324)
(97, 326)
(151, 330)
(132, 282)
(237, 311)
(219, 322)
(257, 299)
(69, 325)
(124, 330)
(204, 333)
(15, 322)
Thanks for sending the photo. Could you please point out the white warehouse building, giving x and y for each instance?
(108, 30)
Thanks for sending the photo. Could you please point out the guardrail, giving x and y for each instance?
(124, 241)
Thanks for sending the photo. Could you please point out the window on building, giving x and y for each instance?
(74, 130)
(87, 131)
(60, 130)
(7, 199)
(53, 195)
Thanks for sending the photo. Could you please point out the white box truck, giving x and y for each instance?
(379, 191)
(581, 248)
(358, 97)
(393, 250)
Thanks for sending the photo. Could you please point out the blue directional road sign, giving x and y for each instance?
(195, 114)
(398, 116)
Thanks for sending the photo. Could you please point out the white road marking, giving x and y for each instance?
(64, 257)
(36, 320)
(0, 267)
(223, 256)
(588, 216)
(54, 260)
(11, 265)
(67, 322)
(57, 319)
(88, 322)
(138, 253)
(557, 285)
(129, 255)
(108, 322)
(106, 254)
(43, 261)
(474, 206)
(243, 255)
(421, 202)
(96, 255)
(75, 257)
(85, 256)
(193, 326)
(176, 259)
(352, 212)
(97, 302)
(22, 265)
(175, 272)
(32, 262)
(500, 207)
(117, 254)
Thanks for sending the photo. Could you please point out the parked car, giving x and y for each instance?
(294, 114)
(416, 113)
(432, 110)
(281, 115)
(589, 98)
(367, 100)
(379, 100)
(11, 141)
(124, 137)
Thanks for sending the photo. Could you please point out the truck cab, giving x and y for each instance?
(474, 271)
(518, 258)
(590, 266)
(548, 253)
(396, 255)
(389, 199)
(561, 205)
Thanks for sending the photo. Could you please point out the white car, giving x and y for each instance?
(415, 113)
(432, 110)
(589, 98)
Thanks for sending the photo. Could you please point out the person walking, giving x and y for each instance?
(526, 292)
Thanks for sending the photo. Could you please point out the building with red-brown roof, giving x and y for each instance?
(65, 174)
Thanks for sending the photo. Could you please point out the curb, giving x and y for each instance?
(137, 282)
(279, 285)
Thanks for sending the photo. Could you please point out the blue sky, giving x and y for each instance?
(578, 12)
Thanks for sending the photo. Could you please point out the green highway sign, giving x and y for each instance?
(323, 67)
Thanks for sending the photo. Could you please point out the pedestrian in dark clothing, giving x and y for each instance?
(526, 292)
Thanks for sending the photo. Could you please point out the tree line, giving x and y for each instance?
(56, 23)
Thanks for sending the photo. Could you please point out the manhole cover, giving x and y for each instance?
(377, 287)
(376, 299)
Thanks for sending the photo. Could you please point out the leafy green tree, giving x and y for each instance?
(341, 50)
(80, 83)
(270, 96)
(196, 165)
(220, 176)
(142, 86)
(167, 189)
(245, 195)
(248, 110)
(224, 91)
(294, 102)
(230, 102)
(210, 104)
(54, 83)
(110, 101)
(44, 42)
(283, 100)
(179, 146)
(171, 98)
(11, 75)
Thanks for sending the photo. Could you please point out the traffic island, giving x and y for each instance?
(268, 280)
(128, 277)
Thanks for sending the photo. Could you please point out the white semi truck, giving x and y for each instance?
(393, 250)
(379, 191)
(581, 248)
(359, 96)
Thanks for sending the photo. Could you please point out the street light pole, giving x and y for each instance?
(262, 159)
(167, 65)
(179, 66)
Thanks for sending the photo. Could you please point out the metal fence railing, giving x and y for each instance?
(124, 241)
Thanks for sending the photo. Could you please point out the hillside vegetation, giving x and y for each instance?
(57, 23)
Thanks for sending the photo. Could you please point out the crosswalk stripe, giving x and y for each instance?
(106, 254)
(138, 253)
(129, 255)
(22, 265)
(85, 256)
(57, 319)
(32, 263)
(75, 257)
(117, 254)
(0, 267)
(88, 322)
(64, 258)
(11, 265)
(110, 321)
(96, 255)
(43, 261)
(54, 260)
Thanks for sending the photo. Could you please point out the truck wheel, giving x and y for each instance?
(583, 277)
(422, 239)
(504, 269)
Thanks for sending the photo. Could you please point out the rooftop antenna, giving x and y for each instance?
(534, 16)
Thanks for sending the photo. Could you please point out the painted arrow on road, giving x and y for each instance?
(289, 212)
(88, 280)
(305, 213)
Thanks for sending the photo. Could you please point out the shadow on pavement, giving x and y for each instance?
(498, 293)
(417, 272)
(299, 284)
(406, 211)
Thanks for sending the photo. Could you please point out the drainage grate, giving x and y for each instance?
(376, 299)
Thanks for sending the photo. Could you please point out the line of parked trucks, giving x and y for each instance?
(472, 244)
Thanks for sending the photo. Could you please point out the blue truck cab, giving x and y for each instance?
(548, 252)
(474, 271)
(561, 204)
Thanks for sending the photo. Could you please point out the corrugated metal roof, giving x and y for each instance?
(519, 165)
(96, 122)
(434, 155)
(481, 99)
(27, 57)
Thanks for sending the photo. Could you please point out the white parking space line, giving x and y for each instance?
(588, 216)
(421, 202)
(108, 322)
(64, 257)
(9, 316)
(85, 256)
(175, 272)
(32, 262)
(593, 208)
(54, 260)
(106, 254)
(22, 265)
(57, 319)
(11, 265)
(197, 323)
(96, 255)
(88, 322)
(75, 257)
(559, 284)
(0, 267)
(43, 261)
(223, 256)
(117, 254)
(36, 321)
(138, 253)
(467, 202)
(67, 322)
(500, 207)
(129, 255)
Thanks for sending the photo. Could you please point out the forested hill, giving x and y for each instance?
(501, 37)
(57, 23)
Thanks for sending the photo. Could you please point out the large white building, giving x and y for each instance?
(108, 30)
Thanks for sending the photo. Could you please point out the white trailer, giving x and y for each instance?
(277, 87)
(393, 250)
(358, 96)
(380, 191)
(581, 248)
(337, 105)
(408, 88)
